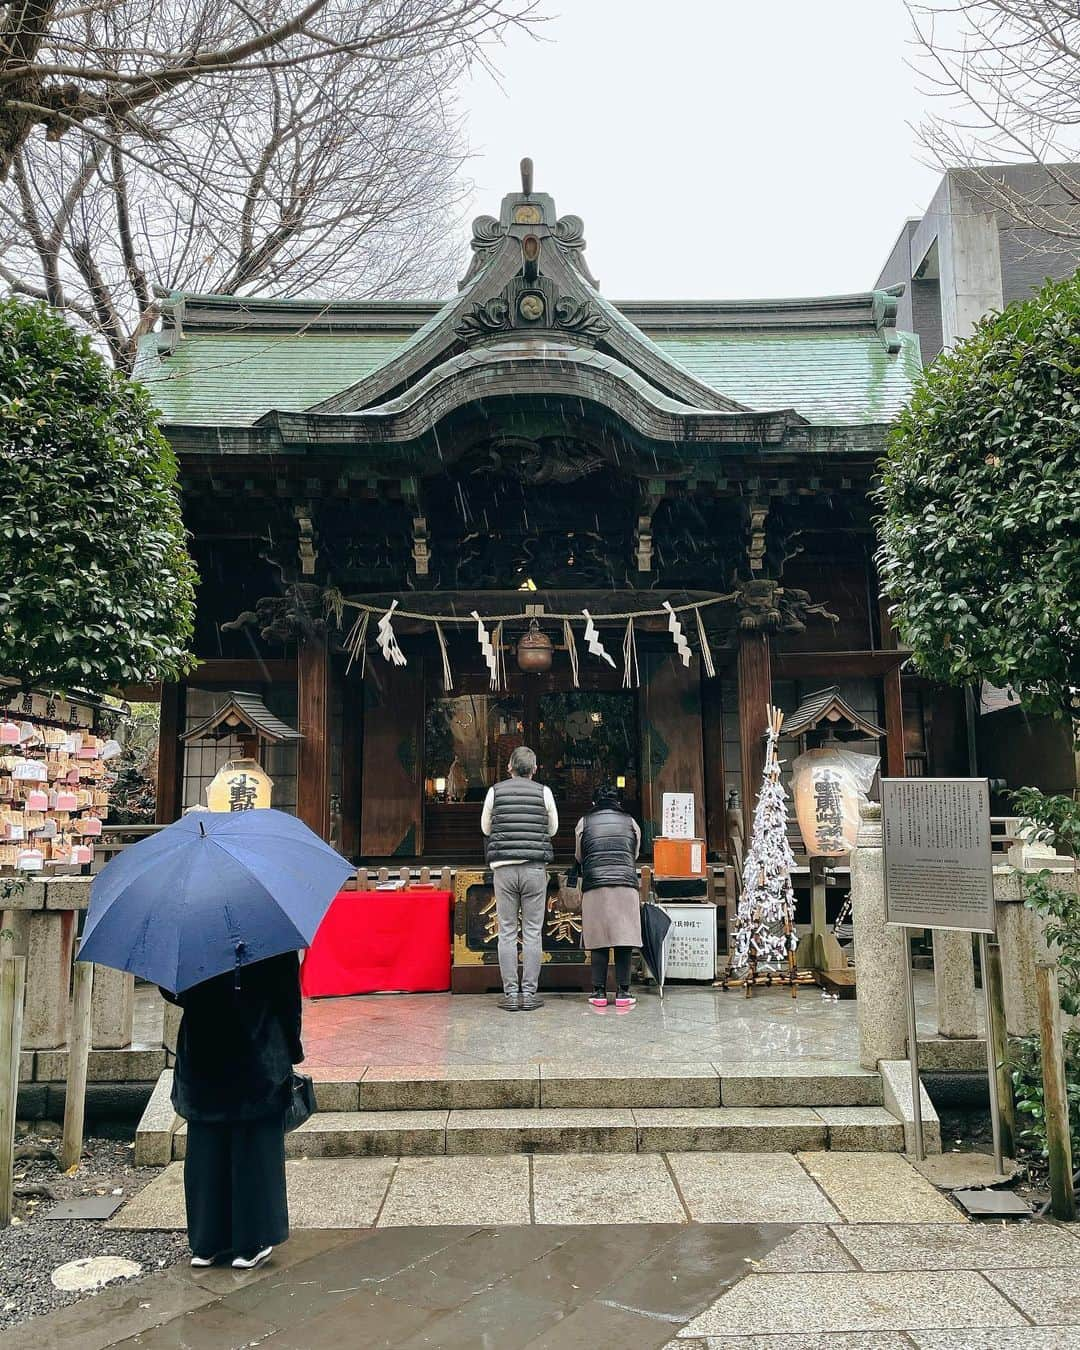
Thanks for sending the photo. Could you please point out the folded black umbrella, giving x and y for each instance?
(655, 923)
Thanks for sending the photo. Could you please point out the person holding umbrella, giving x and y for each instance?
(607, 842)
(213, 909)
(239, 1038)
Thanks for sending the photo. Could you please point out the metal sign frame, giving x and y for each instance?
(938, 844)
(938, 850)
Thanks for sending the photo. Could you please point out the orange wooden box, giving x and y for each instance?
(679, 858)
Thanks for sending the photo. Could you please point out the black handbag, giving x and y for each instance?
(301, 1106)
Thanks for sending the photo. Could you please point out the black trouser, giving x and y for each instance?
(234, 1184)
(622, 967)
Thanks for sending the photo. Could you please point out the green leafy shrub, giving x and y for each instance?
(1026, 1057)
(979, 540)
(96, 586)
(1057, 820)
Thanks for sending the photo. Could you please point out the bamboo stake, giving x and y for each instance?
(1055, 1101)
(997, 1045)
(78, 1055)
(12, 990)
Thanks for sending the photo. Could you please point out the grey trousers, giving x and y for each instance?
(520, 889)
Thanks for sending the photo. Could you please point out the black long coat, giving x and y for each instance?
(238, 1040)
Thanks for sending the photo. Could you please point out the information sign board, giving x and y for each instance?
(938, 867)
(690, 947)
(678, 815)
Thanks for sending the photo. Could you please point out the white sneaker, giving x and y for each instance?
(250, 1262)
(201, 1262)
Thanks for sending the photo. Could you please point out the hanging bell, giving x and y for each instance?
(534, 650)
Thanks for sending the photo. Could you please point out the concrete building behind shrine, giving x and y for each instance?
(530, 449)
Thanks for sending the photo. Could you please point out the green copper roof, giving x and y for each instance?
(231, 379)
(832, 379)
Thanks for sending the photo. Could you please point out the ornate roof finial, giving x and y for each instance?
(526, 176)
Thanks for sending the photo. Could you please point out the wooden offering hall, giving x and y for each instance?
(614, 531)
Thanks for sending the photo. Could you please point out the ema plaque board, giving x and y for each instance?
(938, 868)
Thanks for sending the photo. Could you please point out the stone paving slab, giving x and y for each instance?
(798, 1083)
(832, 1340)
(578, 1131)
(604, 1189)
(334, 1093)
(731, 1128)
(1030, 1338)
(601, 1188)
(631, 1085)
(878, 1188)
(809, 1249)
(451, 1087)
(328, 1194)
(982, 1246)
(869, 1129)
(837, 1301)
(748, 1188)
(465, 1190)
(1049, 1297)
(342, 1134)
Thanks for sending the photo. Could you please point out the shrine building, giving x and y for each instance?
(669, 501)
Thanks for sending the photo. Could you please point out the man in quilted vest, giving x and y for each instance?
(519, 819)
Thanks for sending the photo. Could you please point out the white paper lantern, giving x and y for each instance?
(828, 785)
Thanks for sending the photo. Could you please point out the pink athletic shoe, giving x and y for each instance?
(597, 1002)
(624, 1002)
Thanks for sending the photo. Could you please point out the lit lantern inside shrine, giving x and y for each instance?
(829, 781)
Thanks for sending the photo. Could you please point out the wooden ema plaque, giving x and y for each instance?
(476, 931)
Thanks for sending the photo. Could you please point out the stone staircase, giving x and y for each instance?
(564, 1108)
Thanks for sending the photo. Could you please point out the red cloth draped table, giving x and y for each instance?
(380, 942)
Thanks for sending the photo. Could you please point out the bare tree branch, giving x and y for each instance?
(336, 174)
(1007, 76)
(56, 71)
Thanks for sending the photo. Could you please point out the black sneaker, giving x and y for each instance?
(530, 1002)
(510, 1002)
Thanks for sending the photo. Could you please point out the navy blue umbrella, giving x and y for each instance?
(655, 925)
(208, 893)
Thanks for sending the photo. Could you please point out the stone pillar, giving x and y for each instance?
(50, 946)
(954, 981)
(113, 1009)
(170, 1025)
(1022, 944)
(881, 954)
(14, 925)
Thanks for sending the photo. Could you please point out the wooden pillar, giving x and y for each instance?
(894, 701)
(712, 736)
(313, 699)
(352, 767)
(755, 696)
(894, 724)
(170, 763)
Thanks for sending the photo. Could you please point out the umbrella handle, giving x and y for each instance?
(236, 967)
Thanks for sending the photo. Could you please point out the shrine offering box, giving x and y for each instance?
(680, 859)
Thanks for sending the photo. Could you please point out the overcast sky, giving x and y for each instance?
(714, 149)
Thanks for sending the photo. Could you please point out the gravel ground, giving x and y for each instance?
(33, 1247)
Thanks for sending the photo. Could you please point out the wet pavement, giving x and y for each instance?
(731, 1286)
(691, 1024)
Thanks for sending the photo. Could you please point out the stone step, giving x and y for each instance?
(488, 1087)
(770, 1129)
